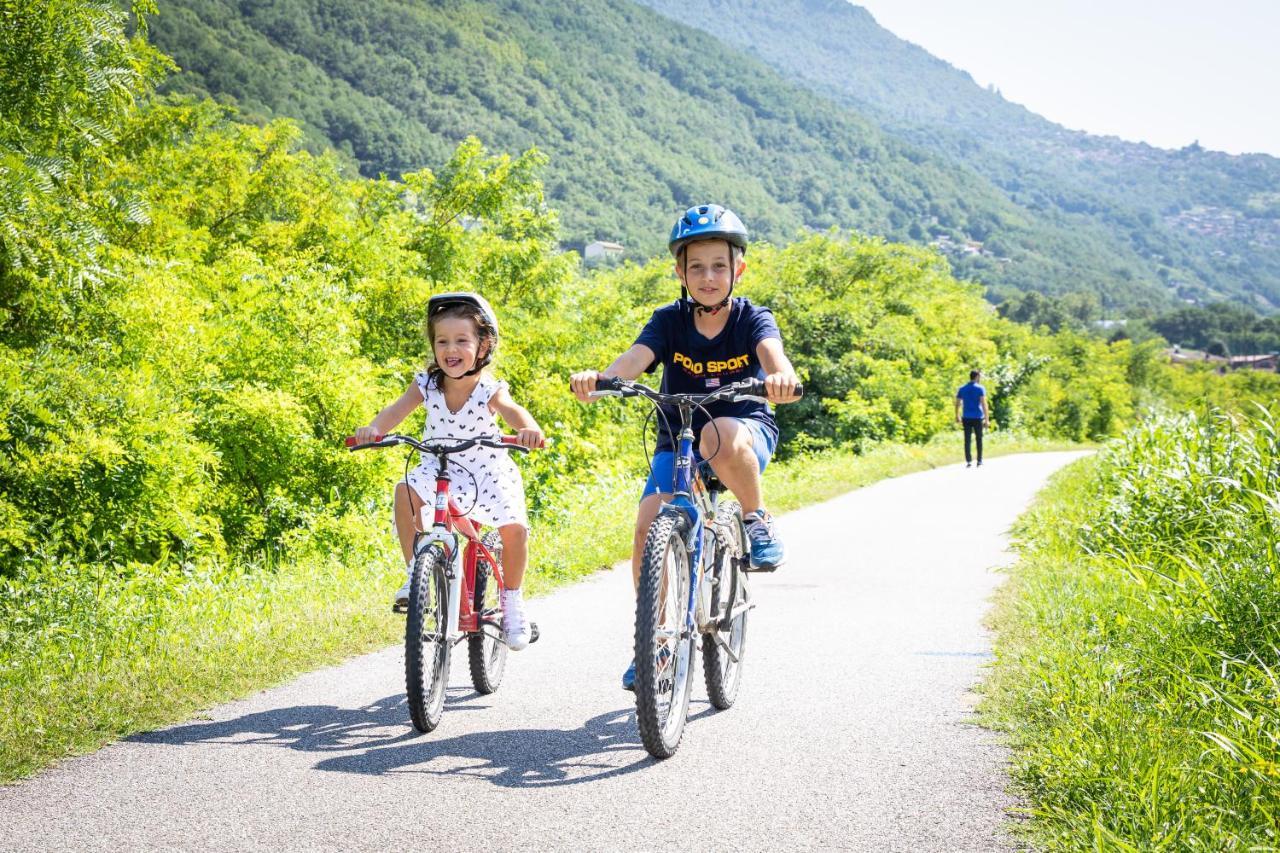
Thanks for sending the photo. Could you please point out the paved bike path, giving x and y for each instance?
(851, 730)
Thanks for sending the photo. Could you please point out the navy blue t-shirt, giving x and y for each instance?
(971, 395)
(693, 364)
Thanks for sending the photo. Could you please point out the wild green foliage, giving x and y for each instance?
(1136, 662)
(1199, 224)
(69, 82)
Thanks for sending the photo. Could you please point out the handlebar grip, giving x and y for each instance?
(351, 441)
(608, 383)
(511, 440)
(756, 389)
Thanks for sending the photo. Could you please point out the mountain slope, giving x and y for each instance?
(639, 117)
(1208, 223)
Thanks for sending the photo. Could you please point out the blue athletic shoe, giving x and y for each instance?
(629, 678)
(767, 551)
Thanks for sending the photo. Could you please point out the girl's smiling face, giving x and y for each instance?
(456, 344)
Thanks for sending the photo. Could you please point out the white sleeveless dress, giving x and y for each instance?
(493, 493)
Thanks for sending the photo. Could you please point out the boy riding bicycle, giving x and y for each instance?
(706, 339)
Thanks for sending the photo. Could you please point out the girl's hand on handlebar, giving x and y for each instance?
(781, 387)
(367, 435)
(531, 438)
(583, 383)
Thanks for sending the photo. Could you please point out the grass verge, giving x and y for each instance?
(88, 656)
(1137, 669)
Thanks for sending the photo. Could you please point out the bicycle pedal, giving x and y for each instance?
(750, 569)
(534, 633)
(400, 608)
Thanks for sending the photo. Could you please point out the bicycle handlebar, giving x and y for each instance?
(744, 389)
(502, 442)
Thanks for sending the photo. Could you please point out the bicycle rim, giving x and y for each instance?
(724, 650)
(426, 646)
(663, 641)
(486, 652)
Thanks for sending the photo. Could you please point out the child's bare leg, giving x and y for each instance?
(727, 444)
(645, 514)
(407, 512)
(515, 554)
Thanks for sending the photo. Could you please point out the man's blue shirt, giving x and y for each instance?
(971, 395)
(693, 364)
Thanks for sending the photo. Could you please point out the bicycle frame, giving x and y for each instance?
(689, 494)
(448, 524)
(697, 503)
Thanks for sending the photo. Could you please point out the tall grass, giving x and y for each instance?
(89, 654)
(1138, 660)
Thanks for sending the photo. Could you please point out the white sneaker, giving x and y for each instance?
(515, 627)
(401, 598)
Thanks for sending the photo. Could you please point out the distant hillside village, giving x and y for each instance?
(1268, 362)
(953, 248)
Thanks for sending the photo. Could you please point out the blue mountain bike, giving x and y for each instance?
(693, 588)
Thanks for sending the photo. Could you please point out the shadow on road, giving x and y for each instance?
(376, 740)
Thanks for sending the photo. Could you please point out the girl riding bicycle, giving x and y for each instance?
(707, 339)
(461, 399)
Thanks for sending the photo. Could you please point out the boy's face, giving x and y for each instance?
(705, 269)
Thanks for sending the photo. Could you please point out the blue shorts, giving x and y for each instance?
(664, 462)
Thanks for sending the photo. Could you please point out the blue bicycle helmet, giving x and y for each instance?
(707, 222)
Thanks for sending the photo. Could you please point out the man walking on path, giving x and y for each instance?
(971, 413)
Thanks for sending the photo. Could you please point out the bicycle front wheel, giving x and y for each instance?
(664, 637)
(426, 644)
(724, 648)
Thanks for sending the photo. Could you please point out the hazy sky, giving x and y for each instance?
(1165, 73)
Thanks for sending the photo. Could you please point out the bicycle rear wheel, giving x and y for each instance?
(725, 647)
(426, 644)
(486, 652)
(664, 639)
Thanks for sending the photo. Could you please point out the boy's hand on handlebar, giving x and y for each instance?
(583, 383)
(531, 438)
(781, 387)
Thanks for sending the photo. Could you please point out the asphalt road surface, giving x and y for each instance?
(852, 729)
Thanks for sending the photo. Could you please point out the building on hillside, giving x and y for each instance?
(602, 251)
(1270, 361)
(1178, 355)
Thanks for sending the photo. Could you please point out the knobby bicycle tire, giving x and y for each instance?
(426, 646)
(486, 652)
(664, 670)
(723, 673)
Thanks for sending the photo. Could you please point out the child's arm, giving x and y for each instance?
(629, 365)
(390, 417)
(780, 378)
(528, 433)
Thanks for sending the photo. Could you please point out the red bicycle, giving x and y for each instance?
(454, 592)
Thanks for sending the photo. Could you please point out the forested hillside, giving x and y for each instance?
(639, 116)
(1206, 223)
